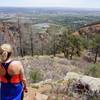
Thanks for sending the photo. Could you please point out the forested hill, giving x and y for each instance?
(25, 36)
(8, 31)
(89, 29)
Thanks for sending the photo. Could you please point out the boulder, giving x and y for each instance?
(93, 83)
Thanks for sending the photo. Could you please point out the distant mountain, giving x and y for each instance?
(49, 10)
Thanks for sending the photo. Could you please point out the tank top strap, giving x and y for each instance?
(6, 66)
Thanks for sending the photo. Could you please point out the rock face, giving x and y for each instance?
(89, 30)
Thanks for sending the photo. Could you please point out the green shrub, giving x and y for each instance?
(93, 70)
(35, 76)
(57, 98)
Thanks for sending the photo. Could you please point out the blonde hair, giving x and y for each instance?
(6, 47)
(5, 51)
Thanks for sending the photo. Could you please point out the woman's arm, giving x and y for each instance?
(23, 78)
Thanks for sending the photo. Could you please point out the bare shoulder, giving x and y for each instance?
(16, 63)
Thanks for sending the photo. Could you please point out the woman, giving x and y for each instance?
(12, 77)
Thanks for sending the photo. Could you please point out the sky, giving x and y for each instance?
(51, 3)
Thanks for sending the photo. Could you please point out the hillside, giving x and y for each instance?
(89, 30)
(55, 77)
(72, 87)
(49, 67)
(53, 70)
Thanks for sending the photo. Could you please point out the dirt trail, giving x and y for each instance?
(35, 94)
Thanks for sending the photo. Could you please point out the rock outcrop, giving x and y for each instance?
(93, 83)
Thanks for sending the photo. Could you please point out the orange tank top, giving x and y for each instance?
(9, 78)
